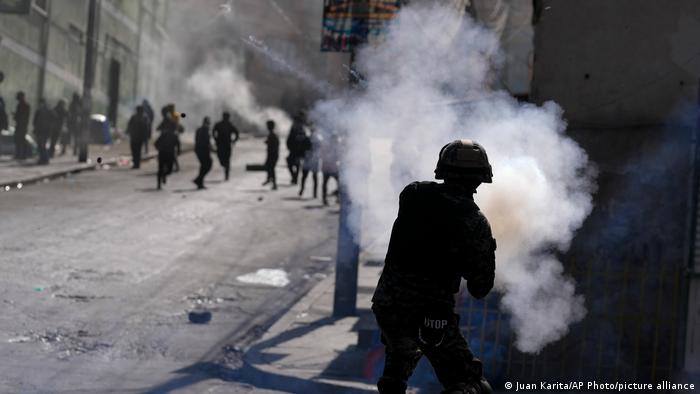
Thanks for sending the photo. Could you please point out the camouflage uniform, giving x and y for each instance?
(439, 237)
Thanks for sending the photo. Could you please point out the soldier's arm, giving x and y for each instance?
(483, 264)
(408, 198)
(235, 131)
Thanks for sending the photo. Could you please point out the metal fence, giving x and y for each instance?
(629, 332)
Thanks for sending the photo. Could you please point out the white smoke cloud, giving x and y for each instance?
(425, 88)
(217, 82)
(205, 69)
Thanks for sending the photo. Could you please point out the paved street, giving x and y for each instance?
(100, 269)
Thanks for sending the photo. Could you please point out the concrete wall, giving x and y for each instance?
(512, 21)
(626, 74)
(621, 62)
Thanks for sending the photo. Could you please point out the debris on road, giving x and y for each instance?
(199, 316)
(321, 258)
(266, 276)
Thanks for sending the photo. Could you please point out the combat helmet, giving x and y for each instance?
(464, 159)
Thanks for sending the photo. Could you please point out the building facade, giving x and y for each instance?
(626, 75)
(42, 51)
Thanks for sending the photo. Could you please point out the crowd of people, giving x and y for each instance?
(309, 153)
(61, 126)
(168, 141)
(52, 127)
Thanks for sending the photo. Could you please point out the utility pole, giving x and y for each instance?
(139, 33)
(44, 48)
(348, 254)
(89, 76)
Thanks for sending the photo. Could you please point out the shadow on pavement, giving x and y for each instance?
(248, 374)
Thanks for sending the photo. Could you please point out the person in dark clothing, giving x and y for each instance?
(43, 119)
(21, 117)
(438, 238)
(222, 135)
(73, 122)
(166, 143)
(329, 163)
(137, 130)
(148, 111)
(312, 147)
(179, 129)
(202, 148)
(295, 146)
(59, 119)
(273, 154)
(170, 123)
(4, 122)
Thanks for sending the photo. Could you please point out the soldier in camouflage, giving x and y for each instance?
(438, 238)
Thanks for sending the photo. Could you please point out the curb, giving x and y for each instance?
(78, 168)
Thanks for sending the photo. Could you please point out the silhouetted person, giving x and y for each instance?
(178, 129)
(273, 154)
(59, 119)
(148, 111)
(329, 163)
(43, 118)
(170, 123)
(4, 122)
(138, 131)
(312, 147)
(166, 143)
(295, 146)
(202, 148)
(439, 238)
(21, 117)
(74, 121)
(222, 135)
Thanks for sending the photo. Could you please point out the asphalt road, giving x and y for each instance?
(99, 271)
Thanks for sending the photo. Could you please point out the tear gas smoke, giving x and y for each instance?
(208, 49)
(216, 81)
(281, 64)
(542, 180)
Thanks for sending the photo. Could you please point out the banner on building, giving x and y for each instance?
(15, 6)
(349, 23)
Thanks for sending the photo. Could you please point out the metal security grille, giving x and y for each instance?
(629, 332)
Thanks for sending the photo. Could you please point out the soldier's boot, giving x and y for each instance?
(481, 387)
(388, 385)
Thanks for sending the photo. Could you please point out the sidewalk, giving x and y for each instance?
(14, 174)
(310, 351)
